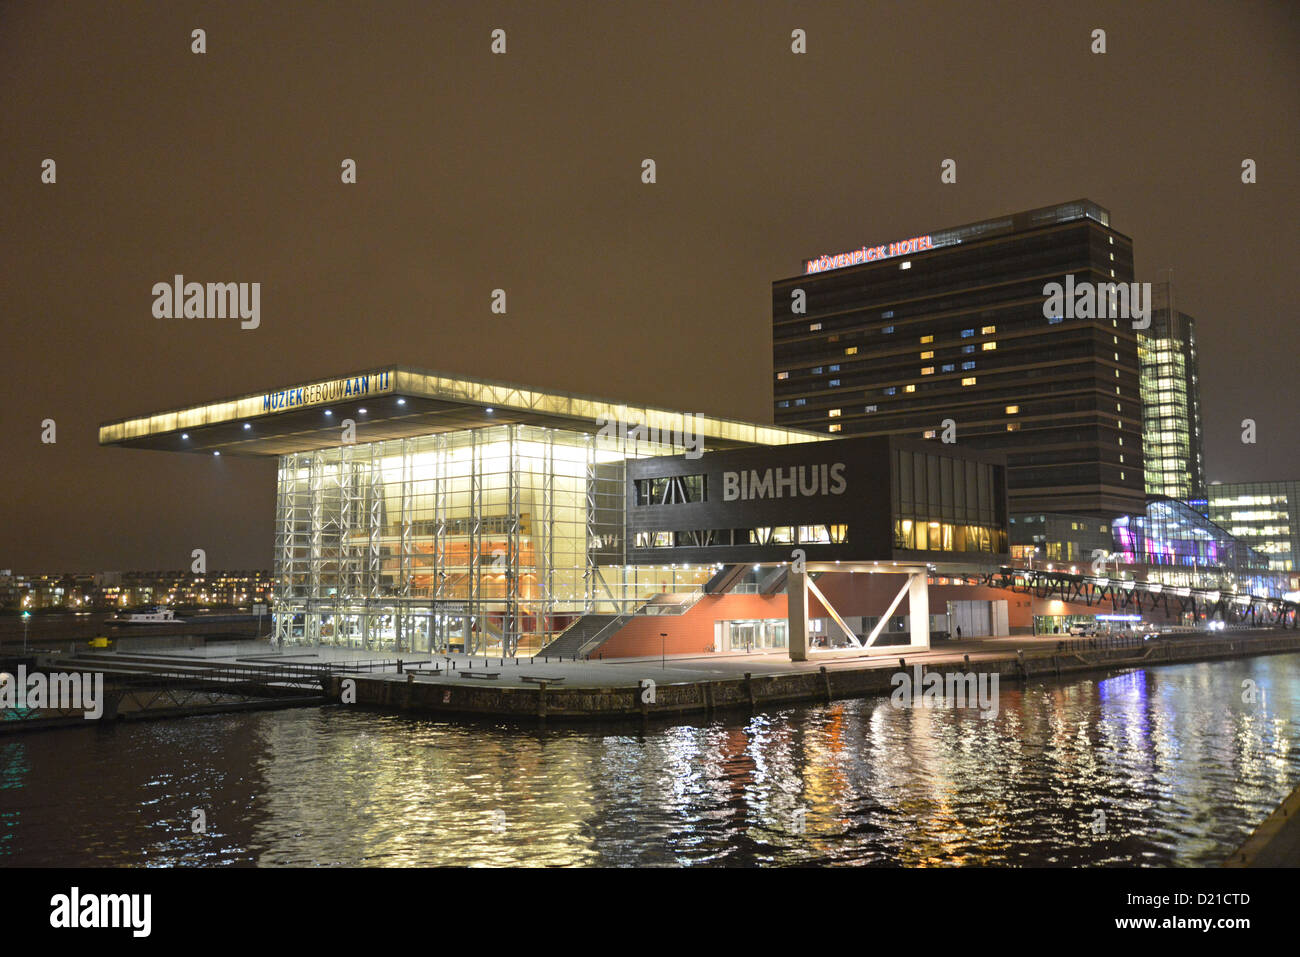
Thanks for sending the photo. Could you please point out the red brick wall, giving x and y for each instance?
(691, 633)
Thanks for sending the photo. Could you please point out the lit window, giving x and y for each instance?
(783, 375)
(909, 388)
(1012, 409)
(834, 413)
(851, 351)
(814, 327)
(928, 434)
(966, 366)
(835, 427)
(927, 355)
(925, 339)
(817, 371)
(891, 390)
(970, 380)
(834, 383)
(967, 333)
(990, 346)
(906, 264)
(888, 330)
(1013, 426)
(988, 330)
(927, 370)
(948, 367)
(836, 367)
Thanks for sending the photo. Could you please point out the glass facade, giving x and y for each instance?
(488, 541)
(1173, 445)
(1181, 547)
(1266, 515)
(947, 504)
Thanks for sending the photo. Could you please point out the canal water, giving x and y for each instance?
(1164, 766)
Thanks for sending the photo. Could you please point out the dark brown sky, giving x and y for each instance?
(522, 172)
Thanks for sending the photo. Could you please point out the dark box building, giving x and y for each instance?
(863, 499)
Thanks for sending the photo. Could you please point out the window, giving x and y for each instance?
(968, 381)
(817, 371)
(989, 346)
(835, 368)
(783, 375)
(927, 355)
(925, 339)
(1011, 409)
(988, 330)
(833, 414)
(927, 370)
(948, 367)
(783, 404)
(906, 264)
(887, 314)
(909, 388)
(670, 490)
(967, 333)
(967, 349)
(814, 327)
(800, 401)
(928, 434)
(851, 351)
(966, 366)
(1013, 426)
(1054, 320)
(834, 383)
(891, 390)
(835, 427)
(888, 330)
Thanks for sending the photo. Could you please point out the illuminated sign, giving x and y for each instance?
(869, 254)
(331, 390)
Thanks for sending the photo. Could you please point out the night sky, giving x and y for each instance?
(522, 172)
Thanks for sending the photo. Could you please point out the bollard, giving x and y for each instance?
(399, 666)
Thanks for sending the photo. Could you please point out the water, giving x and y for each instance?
(1182, 769)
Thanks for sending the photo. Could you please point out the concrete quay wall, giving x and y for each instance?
(569, 702)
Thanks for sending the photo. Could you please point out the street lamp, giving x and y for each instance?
(663, 650)
(26, 616)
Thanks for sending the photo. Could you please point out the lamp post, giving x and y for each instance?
(663, 650)
(26, 617)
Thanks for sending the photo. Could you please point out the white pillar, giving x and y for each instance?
(796, 596)
(918, 602)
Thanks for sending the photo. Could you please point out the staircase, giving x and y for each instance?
(589, 629)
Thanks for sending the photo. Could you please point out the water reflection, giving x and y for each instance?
(1179, 766)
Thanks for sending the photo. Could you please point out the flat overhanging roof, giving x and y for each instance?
(400, 402)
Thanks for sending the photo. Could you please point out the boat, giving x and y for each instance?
(155, 616)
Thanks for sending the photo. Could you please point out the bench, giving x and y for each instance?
(423, 671)
(479, 674)
(537, 679)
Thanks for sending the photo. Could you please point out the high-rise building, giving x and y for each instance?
(1173, 446)
(1265, 515)
(954, 335)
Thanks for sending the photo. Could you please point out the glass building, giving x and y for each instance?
(1180, 547)
(418, 511)
(1172, 441)
(1264, 514)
